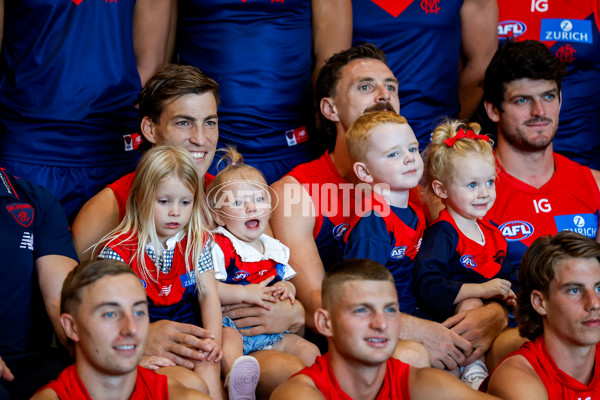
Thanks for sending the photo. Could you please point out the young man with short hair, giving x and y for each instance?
(559, 311)
(104, 313)
(361, 320)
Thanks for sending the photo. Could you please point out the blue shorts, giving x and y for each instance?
(258, 342)
(72, 186)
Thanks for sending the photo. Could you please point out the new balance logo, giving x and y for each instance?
(27, 241)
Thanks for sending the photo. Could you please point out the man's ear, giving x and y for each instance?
(323, 323)
(147, 127)
(362, 172)
(538, 303)
(439, 189)
(492, 112)
(328, 109)
(68, 324)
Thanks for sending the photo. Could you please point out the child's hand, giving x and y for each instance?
(155, 362)
(499, 288)
(284, 290)
(511, 299)
(259, 293)
(215, 354)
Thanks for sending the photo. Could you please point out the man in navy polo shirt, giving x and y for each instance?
(37, 255)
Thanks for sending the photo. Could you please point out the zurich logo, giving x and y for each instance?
(566, 25)
(144, 284)
(516, 230)
(340, 230)
(468, 262)
(579, 221)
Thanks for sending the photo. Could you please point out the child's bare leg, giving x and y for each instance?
(186, 377)
(468, 304)
(296, 345)
(233, 348)
(211, 372)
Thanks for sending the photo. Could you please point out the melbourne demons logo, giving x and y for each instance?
(240, 275)
(566, 53)
(467, 261)
(516, 230)
(499, 257)
(22, 213)
(430, 6)
(340, 230)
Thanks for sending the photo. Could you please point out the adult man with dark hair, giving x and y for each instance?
(361, 320)
(38, 254)
(522, 95)
(316, 203)
(104, 312)
(559, 312)
(178, 106)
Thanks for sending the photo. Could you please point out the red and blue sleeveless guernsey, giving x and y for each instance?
(421, 40)
(236, 262)
(448, 259)
(173, 295)
(569, 201)
(122, 186)
(333, 201)
(259, 52)
(68, 83)
(391, 236)
(559, 385)
(394, 385)
(148, 385)
(570, 29)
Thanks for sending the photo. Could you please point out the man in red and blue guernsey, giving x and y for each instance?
(572, 33)
(538, 192)
(316, 205)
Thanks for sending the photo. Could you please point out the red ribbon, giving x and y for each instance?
(462, 135)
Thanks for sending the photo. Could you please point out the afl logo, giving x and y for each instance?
(144, 284)
(340, 230)
(579, 221)
(398, 252)
(516, 230)
(468, 262)
(511, 29)
(240, 275)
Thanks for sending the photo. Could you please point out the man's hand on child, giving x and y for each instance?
(285, 290)
(155, 362)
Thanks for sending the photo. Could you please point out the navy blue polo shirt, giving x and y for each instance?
(32, 225)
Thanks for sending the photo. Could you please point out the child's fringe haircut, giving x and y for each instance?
(157, 164)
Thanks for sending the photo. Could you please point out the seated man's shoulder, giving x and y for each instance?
(298, 387)
(45, 394)
(178, 391)
(515, 376)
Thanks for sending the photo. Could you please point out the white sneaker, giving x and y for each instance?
(474, 374)
(242, 379)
